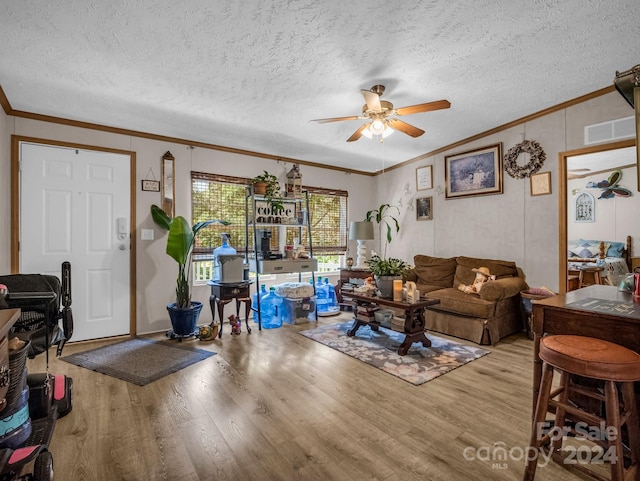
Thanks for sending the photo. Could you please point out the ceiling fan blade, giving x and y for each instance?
(405, 127)
(335, 119)
(429, 106)
(358, 133)
(371, 99)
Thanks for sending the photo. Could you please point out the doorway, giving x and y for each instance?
(577, 159)
(74, 203)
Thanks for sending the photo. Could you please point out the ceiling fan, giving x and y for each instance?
(381, 113)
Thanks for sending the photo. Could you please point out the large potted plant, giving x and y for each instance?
(183, 312)
(267, 185)
(385, 272)
(382, 215)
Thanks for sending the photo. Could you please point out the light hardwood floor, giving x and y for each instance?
(275, 405)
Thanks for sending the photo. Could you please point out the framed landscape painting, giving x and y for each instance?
(475, 172)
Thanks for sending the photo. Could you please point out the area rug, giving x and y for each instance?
(139, 360)
(380, 349)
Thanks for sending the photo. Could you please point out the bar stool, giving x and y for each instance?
(595, 359)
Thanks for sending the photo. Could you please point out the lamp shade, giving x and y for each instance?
(361, 230)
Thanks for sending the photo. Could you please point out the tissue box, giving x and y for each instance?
(297, 311)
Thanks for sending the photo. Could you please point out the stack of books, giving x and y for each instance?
(366, 312)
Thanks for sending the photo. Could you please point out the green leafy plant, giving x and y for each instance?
(272, 190)
(180, 243)
(386, 267)
(384, 218)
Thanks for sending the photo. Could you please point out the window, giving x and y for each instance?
(223, 197)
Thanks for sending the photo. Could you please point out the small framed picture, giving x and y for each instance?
(151, 185)
(424, 178)
(424, 208)
(540, 183)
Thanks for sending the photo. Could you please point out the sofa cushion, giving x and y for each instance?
(456, 301)
(434, 271)
(465, 275)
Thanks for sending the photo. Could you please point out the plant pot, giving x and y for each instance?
(260, 188)
(184, 320)
(385, 285)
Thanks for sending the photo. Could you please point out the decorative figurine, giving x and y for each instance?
(236, 325)
(294, 182)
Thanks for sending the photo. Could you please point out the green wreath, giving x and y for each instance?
(536, 159)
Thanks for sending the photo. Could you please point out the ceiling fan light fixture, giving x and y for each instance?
(377, 127)
(367, 133)
(387, 132)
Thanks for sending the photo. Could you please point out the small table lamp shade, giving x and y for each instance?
(361, 232)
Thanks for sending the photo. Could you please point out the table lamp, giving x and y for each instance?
(361, 231)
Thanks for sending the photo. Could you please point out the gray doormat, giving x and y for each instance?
(139, 360)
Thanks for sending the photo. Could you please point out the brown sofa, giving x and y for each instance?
(483, 318)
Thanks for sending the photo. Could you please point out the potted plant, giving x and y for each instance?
(385, 272)
(383, 216)
(183, 312)
(267, 185)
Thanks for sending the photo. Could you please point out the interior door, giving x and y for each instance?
(75, 206)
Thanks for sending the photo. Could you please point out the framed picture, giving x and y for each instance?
(585, 208)
(424, 208)
(475, 172)
(424, 178)
(151, 185)
(540, 183)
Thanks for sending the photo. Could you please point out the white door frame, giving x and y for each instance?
(15, 210)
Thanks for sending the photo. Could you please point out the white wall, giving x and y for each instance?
(614, 218)
(511, 226)
(156, 272)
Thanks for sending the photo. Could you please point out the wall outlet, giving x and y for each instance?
(146, 234)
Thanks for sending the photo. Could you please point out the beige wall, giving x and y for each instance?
(512, 226)
(155, 270)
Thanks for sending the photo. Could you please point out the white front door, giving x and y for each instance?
(75, 206)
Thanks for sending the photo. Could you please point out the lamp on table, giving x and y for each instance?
(361, 231)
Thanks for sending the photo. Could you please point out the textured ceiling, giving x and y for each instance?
(252, 74)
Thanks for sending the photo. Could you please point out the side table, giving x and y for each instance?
(223, 293)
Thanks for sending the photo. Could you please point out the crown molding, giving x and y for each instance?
(4, 101)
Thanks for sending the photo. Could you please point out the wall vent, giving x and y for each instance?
(607, 131)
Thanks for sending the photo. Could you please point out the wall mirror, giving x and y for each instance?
(585, 171)
(168, 185)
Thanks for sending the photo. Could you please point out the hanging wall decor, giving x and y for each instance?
(536, 159)
(610, 187)
(585, 208)
(168, 184)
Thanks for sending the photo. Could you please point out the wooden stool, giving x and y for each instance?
(595, 359)
(593, 271)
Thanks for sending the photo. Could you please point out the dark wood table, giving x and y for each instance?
(596, 311)
(223, 293)
(414, 322)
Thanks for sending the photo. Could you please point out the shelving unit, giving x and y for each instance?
(259, 218)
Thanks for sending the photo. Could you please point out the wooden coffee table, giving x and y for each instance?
(414, 322)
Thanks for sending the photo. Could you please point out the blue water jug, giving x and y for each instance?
(254, 301)
(224, 249)
(322, 296)
(331, 294)
(270, 309)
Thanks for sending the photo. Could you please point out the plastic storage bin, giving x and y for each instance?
(298, 311)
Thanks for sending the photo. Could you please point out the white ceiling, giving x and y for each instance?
(252, 74)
